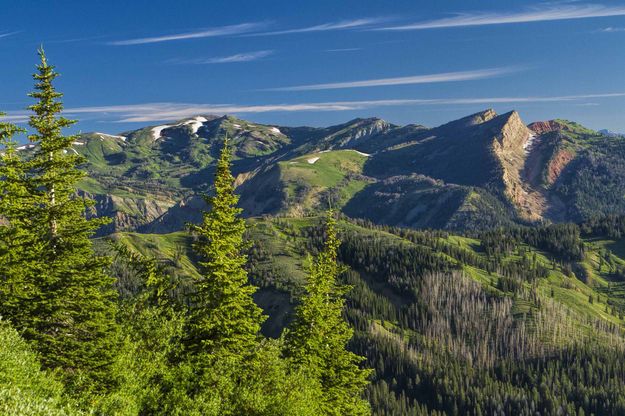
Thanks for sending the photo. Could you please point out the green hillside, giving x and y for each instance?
(305, 184)
(527, 283)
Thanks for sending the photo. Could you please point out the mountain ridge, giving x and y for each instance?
(485, 169)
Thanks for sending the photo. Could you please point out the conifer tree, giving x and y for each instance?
(318, 336)
(18, 248)
(72, 318)
(223, 317)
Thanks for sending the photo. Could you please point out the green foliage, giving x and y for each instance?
(223, 317)
(152, 326)
(19, 250)
(25, 389)
(263, 385)
(65, 306)
(316, 340)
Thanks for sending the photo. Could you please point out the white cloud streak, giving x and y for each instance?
(7, 34)
(239, 57)
(415, 79)
(207, 33)
(244, 29)
(174, 111)
(344, 50)
(154, 112)
(325, 27)
(535, 14)
(613, 29)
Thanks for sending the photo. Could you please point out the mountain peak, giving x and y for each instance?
(472, 120)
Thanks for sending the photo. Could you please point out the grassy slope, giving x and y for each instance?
(285, 254)
(308, 182)
(171, 248)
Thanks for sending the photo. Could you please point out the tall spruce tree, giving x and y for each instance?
(71, 320)
(223, 317)
(318, 336)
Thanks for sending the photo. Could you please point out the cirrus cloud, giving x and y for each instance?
(535, 14)
(237, 57)
(414, 79)
(155, 112)
(206, 33)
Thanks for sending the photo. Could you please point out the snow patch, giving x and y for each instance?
(361, 153)
(24, 147)
(276, 130)
(103, 135)
(527, 146)
(312, 160)
(78, 143)
(156, 131)
(196, 123)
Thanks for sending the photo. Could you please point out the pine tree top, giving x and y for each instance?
(45, 119)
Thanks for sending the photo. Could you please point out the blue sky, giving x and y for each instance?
(127, 64)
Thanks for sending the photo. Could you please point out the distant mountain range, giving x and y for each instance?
(480, 171)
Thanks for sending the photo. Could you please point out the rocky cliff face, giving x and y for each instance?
(355, 134)
(557, 163)
(127, 213)
(189, 210)
(469, 121)
(542, 127)
(510, 148)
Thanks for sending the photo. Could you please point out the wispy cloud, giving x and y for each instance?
(7, 34)
(325, 27)
(613, 29)
(14, 118)
(206, 33)
(157, 112)
(415, 79)
(535, 14)
(344, 50)
(238, 57)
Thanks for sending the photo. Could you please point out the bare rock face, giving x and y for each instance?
(176, 218)
(127, 213)
(509, 148)
(472, 120)
(557, 164)
(357, 133)
(542, 127)
(482, 117)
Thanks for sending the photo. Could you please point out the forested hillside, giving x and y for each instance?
(475, 268)
(467, 324)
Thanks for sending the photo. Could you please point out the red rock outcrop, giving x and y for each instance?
(542, 127)
(557, 164)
